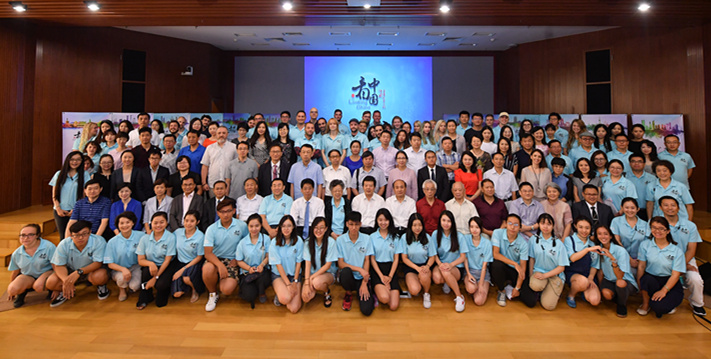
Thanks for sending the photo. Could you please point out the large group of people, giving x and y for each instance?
(380, 208)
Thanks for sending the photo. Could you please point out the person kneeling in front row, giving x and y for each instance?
(355, 250)
(78, 258)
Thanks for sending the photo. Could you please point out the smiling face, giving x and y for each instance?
(159, 223)
(125, 225)
(583, 229)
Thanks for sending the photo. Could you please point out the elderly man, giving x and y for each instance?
(462, 208)
(216, 160)
(429, 206)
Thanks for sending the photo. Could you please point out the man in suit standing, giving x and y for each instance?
(188, 200)
(209, 214)
(150, 174)
(597, 212)
(436, 173)
(271, 170)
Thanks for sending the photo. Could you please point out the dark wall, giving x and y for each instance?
(654, 71)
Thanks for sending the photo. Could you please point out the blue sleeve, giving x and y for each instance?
(106, 210)
(623, 260)
(115, 208)
(60, 255)
(431, 246)
(569, 245)
(679, 263)
(488, 252)
(563, 256)
(525, 252)
(464, 242)
(200, 243)
(307, 253)
(13, 264)
(369, 248)
(141, 248)
(274, 257)
(99, 249)
(208, 241)
(110, 251)
(339, 246)
(642, 251)
(239, 253)
(332, 254)
(299, 251)
(263, 206)
(171, 250)
(686, 196)
(75, 212)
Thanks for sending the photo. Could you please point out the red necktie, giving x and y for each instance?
(275, 174)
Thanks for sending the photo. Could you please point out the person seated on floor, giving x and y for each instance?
(120, 255)
(354, 252)
(156, 252)
(78, 258)
(29, 264)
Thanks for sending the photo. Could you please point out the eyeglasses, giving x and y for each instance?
(31, 235)
(225, 211)
(81, 235)
(513, 224)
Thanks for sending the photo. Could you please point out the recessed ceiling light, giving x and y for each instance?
(292, 33)
(93, 5)
(18, 6)
(388, 33)
(435, 34)
(384, 44)
(340, 33)
(287, 5)
(644, 7)
(445, 5)
(244, 34)
(342, 44)
(492, 39)
(274, 39)
(426, 44)
(448, 39)
(467, 44)
(366, 6)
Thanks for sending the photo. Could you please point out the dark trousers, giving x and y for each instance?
(621, 294)
(652, 284)
(162, 285)
(349, 283)
(501, 273)
(194, 273)
(367, 230)
(252, 290)
(527, 295)
(61, 223)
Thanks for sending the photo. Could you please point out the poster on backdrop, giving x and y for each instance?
(566, 120)
(231, 120)
(72, 125)
(658, 126)
(593, 120)
(167, 117)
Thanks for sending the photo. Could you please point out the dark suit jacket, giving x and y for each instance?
(444, 191)
(264, 177)
(209, 213)
(145, 181)
(117, 181)
(176, 210)
(329, 212)
(604, 212)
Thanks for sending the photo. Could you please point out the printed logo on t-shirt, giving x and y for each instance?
(391, 245)
(193, 245)
(670, 257)
(43, 256)
(237, 233)
(164, 246)
(361, 250)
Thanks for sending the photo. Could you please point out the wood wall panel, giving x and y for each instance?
(653, 71)
(79, 70)
(16, 72)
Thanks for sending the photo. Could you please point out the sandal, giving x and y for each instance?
(141, 306)
(327, 300)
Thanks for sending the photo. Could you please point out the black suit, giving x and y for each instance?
(604, 212)
(145, 181)
(176, 210)
(117, 181)
(444, 191)
(328, 211)
(209, 213)
(264, 177)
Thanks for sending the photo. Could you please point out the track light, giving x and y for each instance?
(93, 5)
(445, 5)
(18, 6)
(644, 7)
(287, 5)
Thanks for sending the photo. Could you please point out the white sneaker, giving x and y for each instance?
(426, 302)
(501, 299)
(672, 311)
(459, 304)
(446, 289)
(509, 291)
(212, 302)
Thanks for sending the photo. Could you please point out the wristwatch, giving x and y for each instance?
(80, 271)
(296, 280)
(157, 277)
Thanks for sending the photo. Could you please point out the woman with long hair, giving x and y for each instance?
(649, 150)
(510, 160)
(488, 143)
(440, 130)
(469, 175)
(402, 140)
(259, 143)
(387, 248)
(286, 143)
(418, 257)
(451, 254)
(479, 255)
(618, 281)
(630, 230)
(584, 174)
(320, 258)
(583, 255)
(636, 138)
(333, 140)
(429, 143)
(537, 174)
(286, 252)
(576, 128)
(67, 188)
(191, 252)
(602, 138)
(125, 204)
(88, 134)
(155, 255)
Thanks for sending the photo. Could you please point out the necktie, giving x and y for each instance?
(306, 221)
(432, 174)
(275, 173)
(595, 218)
(217, 203)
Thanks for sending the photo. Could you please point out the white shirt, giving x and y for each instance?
(504, 183)
(462, 213)
(415, 160)
(367, 208)
(401, 211)
(247, 207)
(316, 209)
(271, 169)
(134, 140)
(329, 175)
(187, 199)
(218, 160)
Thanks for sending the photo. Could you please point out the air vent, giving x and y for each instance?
(342, 44)
(340, 33)
(489, 34)
(435, 34)
(244, 34)
(301, 44)
(448, 39)
(384, 44)
(467, 44)
(427, 44)
(292, 34)
(388, 33)
(274, 39)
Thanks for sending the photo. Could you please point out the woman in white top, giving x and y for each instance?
(537, 174)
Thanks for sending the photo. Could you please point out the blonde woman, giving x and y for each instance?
(440, 130)
(88, 134)
(428, 141)
(576, 128)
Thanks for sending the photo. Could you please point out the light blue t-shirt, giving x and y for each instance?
(478, 255)
(331, 256)
(385, 249)
(443, 248)
(640, 184)
(252, 253)
(122, 251)
(516, 251)
(616, 192)
(547, 256)
(189, 248)
(35, 265)
(623, 261)
(630, 237)
(68, 194)
(420, 253)
(682, 162)
(287, 256)
(685, 232)
(662, 261)
(157, 251)
(67, 253)
(676, 189)
(354, 253)
(223, 240)
(275, 209)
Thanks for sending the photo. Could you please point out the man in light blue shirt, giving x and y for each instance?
(683, 163)
(274, 207)
(355, 250)
(356, 135)
(621, 153)
(463, 123)
(78, 258)
(555, 149)
(305, 169)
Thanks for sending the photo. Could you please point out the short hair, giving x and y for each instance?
(663, 163)
(306, 145)
(187, 178)
(354, 216)
(386, 132)
(159, 214)
(184, 157)
(668, 197)
(338, 152)
(79, 225)
(285, 113)
(557, 161)
(367, 154)
(464, 112)
(555, 186)
(160, 181)
(144, 114)
(415, 134)
(446, 138)
(667, 136)
(525, 184)
(243, 143)
(591, 186)
(486, 180)
(429, 181)
(307, 181)
(144, 130)
(219, 182)
(636, 155)
(194, 132)
(369, 179)
(274, 144)
(556, 114)
(623, 135)
(477, 114)
(169, 135)
(38, 229)
(91, 182)
(278, 180)
(155, 151)
(227, 202)
(206, 116)
(121, 134)
(553, 141)
(128, 215)
(335, 183)
(124, 185)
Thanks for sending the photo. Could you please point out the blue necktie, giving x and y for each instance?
(306, 221)
(217, 218)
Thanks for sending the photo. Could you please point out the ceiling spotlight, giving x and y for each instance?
(445, 5)
(643, 7)
(366, 6)
(18, 6)
(287, 5)
(93, 5)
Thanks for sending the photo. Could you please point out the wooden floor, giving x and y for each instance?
(85, 327)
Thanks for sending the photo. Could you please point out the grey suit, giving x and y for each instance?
(176, 210)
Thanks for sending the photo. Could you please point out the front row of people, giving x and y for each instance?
(233, 254)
